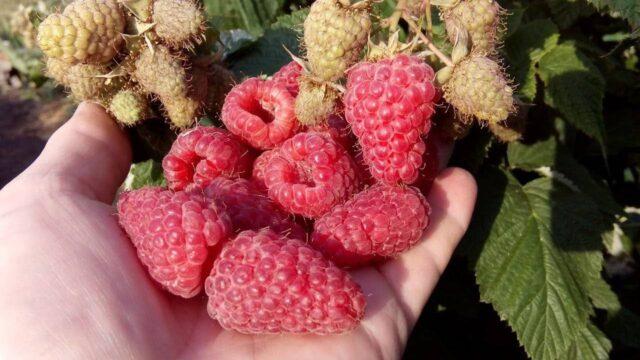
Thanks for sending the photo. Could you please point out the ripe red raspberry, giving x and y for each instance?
(310, 174)
(203, 153)
(261, 112)
(288, 76)
(263, 282)
(259, 165)
(171, 232)
(251, 209)
(389, 104)
(380, 222)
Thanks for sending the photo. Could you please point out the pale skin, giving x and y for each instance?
(71, 286)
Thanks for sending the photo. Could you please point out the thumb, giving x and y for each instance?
(89, 155)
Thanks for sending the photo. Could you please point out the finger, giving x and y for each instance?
(89, 155)
(414, 274)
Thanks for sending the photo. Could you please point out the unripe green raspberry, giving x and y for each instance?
(85, 81)
(129, 107)
(315, 102)
(160, 72)
(87, 31)
(181, 110)
(481, 19)
(58, 70)
(334, 36)
(178, 22)
(478, 87)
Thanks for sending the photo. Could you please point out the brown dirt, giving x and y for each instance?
(25, 126)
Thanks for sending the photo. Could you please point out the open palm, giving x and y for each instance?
(72, 287)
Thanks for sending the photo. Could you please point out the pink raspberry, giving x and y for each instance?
(310, 174)
(259, 166)
(389, 105)
(263, 282)
(380, 222)
(288, 76)
(171, 233)
(250, 209)
(261, 112)
(203, 153)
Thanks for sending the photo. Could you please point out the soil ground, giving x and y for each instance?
(25, 126)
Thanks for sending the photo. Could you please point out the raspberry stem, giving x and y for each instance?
(415, 28)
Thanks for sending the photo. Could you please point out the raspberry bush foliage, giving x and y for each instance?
(265, 129)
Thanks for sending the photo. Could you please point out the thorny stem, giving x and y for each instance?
(444, 58)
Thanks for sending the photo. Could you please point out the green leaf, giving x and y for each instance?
(603, 297)
(251, 15)
(590, 344)
(626, 9)
(525, 48)
(267, 54)
(147, 173)
(540, 253)
(235, 40)
(291, 21)
(575, 87)
(549, 153)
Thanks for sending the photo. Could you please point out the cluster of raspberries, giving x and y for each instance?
(267, 215)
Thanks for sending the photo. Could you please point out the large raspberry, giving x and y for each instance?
(334, 35)
(259, 166)
(479, 88)
(251, 209)
(310, 174)
(87, 31)
(261, 112)
(265, 283)
(380, 222)
(389, 104)
(171, 232)
(202, 154)
(288, 76)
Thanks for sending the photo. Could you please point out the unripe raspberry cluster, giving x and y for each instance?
(126, 54)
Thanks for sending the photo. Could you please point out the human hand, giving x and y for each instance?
(72, 286)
